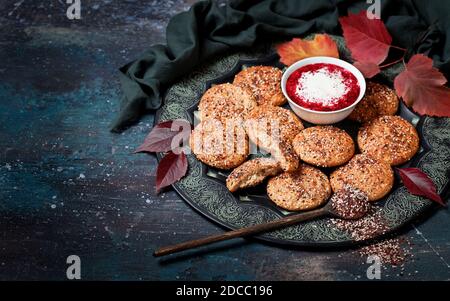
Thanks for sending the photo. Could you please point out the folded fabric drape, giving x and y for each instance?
(210, 28)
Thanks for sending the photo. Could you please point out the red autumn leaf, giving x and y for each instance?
(418, 183)
(369, 70)
(171, 168)
(422, 87)
(297, 49)
(161, 136)
(368, 39)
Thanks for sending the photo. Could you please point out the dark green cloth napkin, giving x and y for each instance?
(209, 28)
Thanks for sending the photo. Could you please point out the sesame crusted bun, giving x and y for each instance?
(218, 144)
(324, 146)
(369, 175)
(252, 173)
(225, 101)
(264, 83)
(304, 189)
(391, 139)
(379, 100)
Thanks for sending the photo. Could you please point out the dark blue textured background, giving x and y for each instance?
(69, 186)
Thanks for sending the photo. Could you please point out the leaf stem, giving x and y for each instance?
(399, 48)
(396, 61)
(392, 63)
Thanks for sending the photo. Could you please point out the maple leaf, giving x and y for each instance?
(418, 183)
(297, 49)
(368, 39)
(422, 87)
(165, 135)
(171, 168)
(369, 70)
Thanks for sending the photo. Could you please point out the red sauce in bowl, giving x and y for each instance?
(323, 87)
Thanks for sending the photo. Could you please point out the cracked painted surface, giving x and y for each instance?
(69, 186)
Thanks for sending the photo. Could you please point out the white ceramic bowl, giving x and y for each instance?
(323, 117)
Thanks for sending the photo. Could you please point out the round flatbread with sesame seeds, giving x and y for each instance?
(379, 100)
(324, 146)
(265, 124)
(374, 177)
(219, 144)
(390, 139)
(264, 83)
(303, 189)
(273, 129)
(226, 101)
